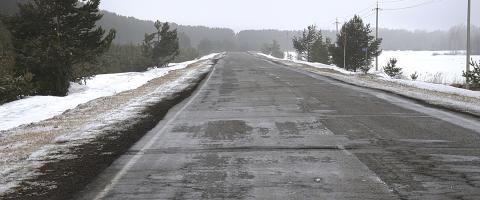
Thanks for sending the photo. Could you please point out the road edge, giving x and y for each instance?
(89, 160)
(421, 101)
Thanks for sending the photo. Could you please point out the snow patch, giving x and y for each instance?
(37, 108)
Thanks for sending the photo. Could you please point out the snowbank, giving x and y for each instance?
(38, 108)
(317, 65)
(436, 87)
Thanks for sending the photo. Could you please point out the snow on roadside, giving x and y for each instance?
(436, 87)
(437, 94)
(25, 149)
(38, 108)
(431, 66)
(317, 65)
(418, 84)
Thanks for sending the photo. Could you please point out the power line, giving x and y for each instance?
(359, 12)
(366, 15)
(393, 1)
(412, 6)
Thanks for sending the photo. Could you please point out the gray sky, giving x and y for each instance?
(297, 14)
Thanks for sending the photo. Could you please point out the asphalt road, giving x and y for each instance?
(259, 130)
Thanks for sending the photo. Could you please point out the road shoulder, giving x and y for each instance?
(54, 158)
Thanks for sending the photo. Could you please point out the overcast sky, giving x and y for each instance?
(297, 14)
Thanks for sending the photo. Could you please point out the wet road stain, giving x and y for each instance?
(227, 130)
(287, 128)
(207, 176)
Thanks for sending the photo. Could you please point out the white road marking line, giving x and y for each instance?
(136, 157)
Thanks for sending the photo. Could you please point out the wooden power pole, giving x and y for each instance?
(376, 37)
(468, 43)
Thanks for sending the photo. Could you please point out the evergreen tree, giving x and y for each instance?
(276, 51)
(51, 36)
(391, 69)
(414, 76)
(299, 47)
(303, 45)
(319, 52)
(473, 75)
(273, 49)
(162, 46)
(361, 47)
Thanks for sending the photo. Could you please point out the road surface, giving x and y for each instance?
(259, 130)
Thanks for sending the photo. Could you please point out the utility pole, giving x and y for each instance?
(336, 24)
(376, 37)
(288, 52)
(344, 48)
(468, 44)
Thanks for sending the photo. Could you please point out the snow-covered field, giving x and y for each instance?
(432, 66)
(38, 108)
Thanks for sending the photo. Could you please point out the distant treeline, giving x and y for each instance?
(224, 39)
(130, 31)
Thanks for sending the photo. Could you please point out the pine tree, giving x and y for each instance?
(473, 75)
(303, 45)
(391, 69)
(51, 36)
(414, 76)
(356, 36)
(319, 52)
(162, 46)
(276, 51)
(273, 49)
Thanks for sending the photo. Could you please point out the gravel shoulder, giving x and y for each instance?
(54, 158)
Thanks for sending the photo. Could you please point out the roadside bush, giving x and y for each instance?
(391, 69)
(414, 76)
(473, 75)
(14, 87)
(365, 69)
